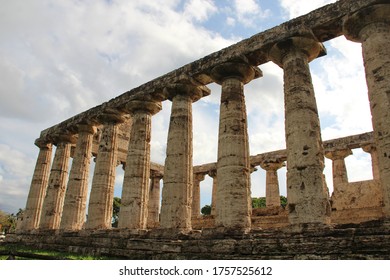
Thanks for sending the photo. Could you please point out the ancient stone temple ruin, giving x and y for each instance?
(351, 223)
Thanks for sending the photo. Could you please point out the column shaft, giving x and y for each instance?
(195, 207)
(74, 214)
(38, 187)
(213, 174)
(339, 170)
(370, 148)
(53, 204)
(135, 192)
(102, 193)
(371, 27)
(233, 199)
(272, 193)
(307, 199)
(154, 201)
(178, 171)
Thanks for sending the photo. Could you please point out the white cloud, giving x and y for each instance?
(294, 8)
(248, 12)
(200, 10)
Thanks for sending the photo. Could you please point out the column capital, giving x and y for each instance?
(156, 174)
(309, 46)
(195, 92)
(338, 154)
(213, 173)
(88, 128)
(354, 24)
(67, 138)
(111, 116)
(369, 148)
(152, 107)
(272, 165)
(199, 176)
(240, 70)
(43, 143)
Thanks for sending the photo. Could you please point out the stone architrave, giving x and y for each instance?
(54, 201)
(307, 199)
(371, 149)
(195, 207)
(38, 187)
(133, 213)
(100, 205)
(213, 174)
(339, 170)
(178, 169)
(154, 199)
(233, 204)
(272, 193)
(74, 213)
(371, 27)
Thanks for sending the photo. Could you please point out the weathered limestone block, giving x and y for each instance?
(195, 207)
(38, 187)
(307, 199)
(363, 194)
(339, 170)
(272, 194)
(371, 149)
(55, 194)
(73, 216)
(135, 192)
(213, 174)
(178, 170)
(371, 27)
(102, 191)
(233, 204)
(154, 199)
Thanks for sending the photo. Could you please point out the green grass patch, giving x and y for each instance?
(21, 252)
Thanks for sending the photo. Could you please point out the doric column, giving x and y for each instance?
(73, 216)
(371, 149)
(178, 169)
(272, 194)
(154, 199)
(54, 201)
(213, 174)
(195, 208)
(100, 205)
(37, 192)
(339, 170)
(371, 27)
(135, 192)
(307, 199)
(233, 204)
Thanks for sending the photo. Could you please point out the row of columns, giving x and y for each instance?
(306, 188)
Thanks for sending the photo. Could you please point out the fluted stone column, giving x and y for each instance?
(54, 201)
(371, 149)
(154, 199)
(100, 205)
(135, 192)
(213, 174)
(272, 193)
(74, 214)
(339, 170)
(178, 169)
(37, 192)
(195, 208)
(307, 199)
(233, 204)
(371, 27)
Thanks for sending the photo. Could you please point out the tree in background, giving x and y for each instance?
(259, 202)
(115, 212)
(206, 210)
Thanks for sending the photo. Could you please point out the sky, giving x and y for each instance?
(60, 58)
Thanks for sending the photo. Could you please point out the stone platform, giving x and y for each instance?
(369, 240)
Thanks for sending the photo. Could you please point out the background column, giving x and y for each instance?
(371, 149)
(339, 170)
(272, 193)
(38, 187)
(154, 199)
(195, 207)
(307, 200)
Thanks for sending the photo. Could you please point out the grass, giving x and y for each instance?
(27, 253)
